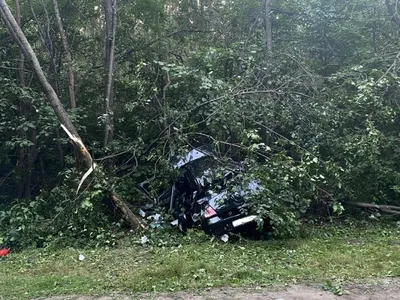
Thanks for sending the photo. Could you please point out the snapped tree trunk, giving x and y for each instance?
(110, 9)
(68, 56)
(59, 110)
(51, 95)
(129, 216)
(268, 25)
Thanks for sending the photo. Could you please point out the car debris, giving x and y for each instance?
(156, 221)
(4, 251)
(224, 238)
(207, 193)
(144, 240)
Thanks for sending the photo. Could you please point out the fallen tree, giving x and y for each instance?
(390, 209)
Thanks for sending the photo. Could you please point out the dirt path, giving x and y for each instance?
(384, 289)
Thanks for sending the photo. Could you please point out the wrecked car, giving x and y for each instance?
(208, 193)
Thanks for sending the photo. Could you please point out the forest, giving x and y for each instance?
(96, 96)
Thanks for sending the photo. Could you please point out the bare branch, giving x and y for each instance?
(177, 32)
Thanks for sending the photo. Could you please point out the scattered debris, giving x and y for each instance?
(144, 240)
(4, 251)
(81, 257)
(224, 238)
(156, 221)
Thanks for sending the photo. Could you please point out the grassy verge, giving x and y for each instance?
(325, 255)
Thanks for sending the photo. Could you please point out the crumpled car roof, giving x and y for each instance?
(193, 155)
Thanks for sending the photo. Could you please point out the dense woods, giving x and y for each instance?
(305, 93)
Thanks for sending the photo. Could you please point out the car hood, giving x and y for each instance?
(237, 197)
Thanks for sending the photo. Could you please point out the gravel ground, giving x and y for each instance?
(382, 289)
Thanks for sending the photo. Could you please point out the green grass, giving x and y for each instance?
(325, 255)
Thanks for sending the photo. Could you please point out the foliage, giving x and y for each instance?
(288, 188)
(61, 218)
(362, 136)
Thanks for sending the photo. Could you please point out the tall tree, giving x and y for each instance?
(68, 56)
(21, 165)
(268, 25)
(110, 10)
(21, 54)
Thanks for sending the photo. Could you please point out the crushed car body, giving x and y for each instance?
(208, 193)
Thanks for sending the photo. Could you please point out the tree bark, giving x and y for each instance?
(68, 56)
(21, 72)
(51, 95)
(27, 157)
(129, 216)
(110, 9)
(20, 166)
(268, 25)
(391, 209)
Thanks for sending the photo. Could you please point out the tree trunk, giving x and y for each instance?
(21, 54)
(110, 9)
(20, 166)
(27, 157)
(129, 216)
(68, 57)
(268, 25)
(371, 205)
(51, 95)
